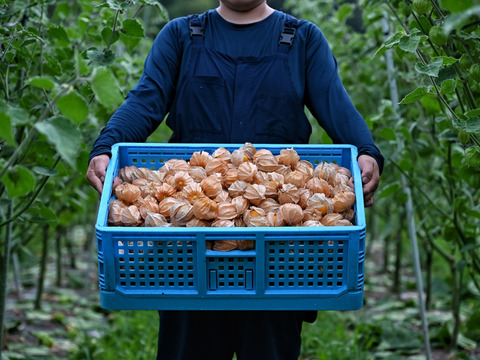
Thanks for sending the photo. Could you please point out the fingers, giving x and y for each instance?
(96, 171)
(370, 177)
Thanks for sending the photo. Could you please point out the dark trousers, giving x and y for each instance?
(217, 335)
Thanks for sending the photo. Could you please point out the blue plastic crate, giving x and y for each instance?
(169, 268)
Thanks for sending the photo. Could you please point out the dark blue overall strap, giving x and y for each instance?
(196, 29)
(288, 34)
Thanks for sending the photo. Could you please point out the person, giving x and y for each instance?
(242, 72)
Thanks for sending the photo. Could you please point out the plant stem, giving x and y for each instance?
(113, 30)
(43, 268)
(4, 276)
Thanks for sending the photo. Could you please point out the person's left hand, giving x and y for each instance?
(370, 177)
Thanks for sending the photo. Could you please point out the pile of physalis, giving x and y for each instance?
(245, 187)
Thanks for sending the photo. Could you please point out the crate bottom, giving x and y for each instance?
(115, 301)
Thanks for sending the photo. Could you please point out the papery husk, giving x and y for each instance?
(226, 211)
(311, 213)
(254, 193)
(150, 188)
(283, 169)
(197, 173)
(131, 216)
(255, 216)
(296, 178)
(344, 171)
(165, 205)
(127, 174)
(271, 188)
(246, 171)
(275, 219)
(127, 192)
(241, 205)
(305, 167)
(278, 178)
(248, 149)
(222, 223)
(181, 213)
(209, 244)
(320, 202)
(288, 157)
(261, 152)
(304, 195)
(179, 165)
(182, 179)
(288, 193)
(163, 191)
(238, 157)
(150, 205)
(192, 192)
(237, 188)
(312, 223)
(140, 182)
(343, 222)
(325, 171)
(260, 177)
(156, 176)
(205, 209)
(230, 177)
(317, 185)
(246, 244)
(331, 219)
(269, 205)
(222, 154)
(200, 158)
(341, 179)
(211, 186)
(170, 179)
(216, 166)
(291, 213)
(343, 201)
(198, 223)
(156, 220)
(267, 163)
(349, 215)
(239, 222)
(115, 209)
(225, 245)
(223, 196)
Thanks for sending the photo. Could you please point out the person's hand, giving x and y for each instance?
(96, 172)
(370, 177)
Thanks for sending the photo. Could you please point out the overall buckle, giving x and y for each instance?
(287, 36)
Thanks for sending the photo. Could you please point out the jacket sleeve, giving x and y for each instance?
(329, 102)
(149, 101)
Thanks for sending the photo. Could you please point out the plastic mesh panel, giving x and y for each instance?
(232, 273)
(156, 264)
(306, 265)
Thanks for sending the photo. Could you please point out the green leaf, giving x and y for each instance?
(41, 213)
(389, 190)
(454, 21)
(58, 34)
(130, 41)
(74, 107)
(106, 88)
(63, 135)
(415, 95)
(387, 133)
(431, 69)
(447, 60)
(101, 58)
(18, 181)
(344, 12)
(120, 5)
(44, 171)
(41, 82)
(6, 131)
(390, 43)
(133, 28)
(163, 10)
(448, 86)
(107, 36)
(472, 113)
(410, 43)
(472, 155)
(470, 125)
(455, 5)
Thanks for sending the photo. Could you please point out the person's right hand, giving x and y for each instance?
(96, 172)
